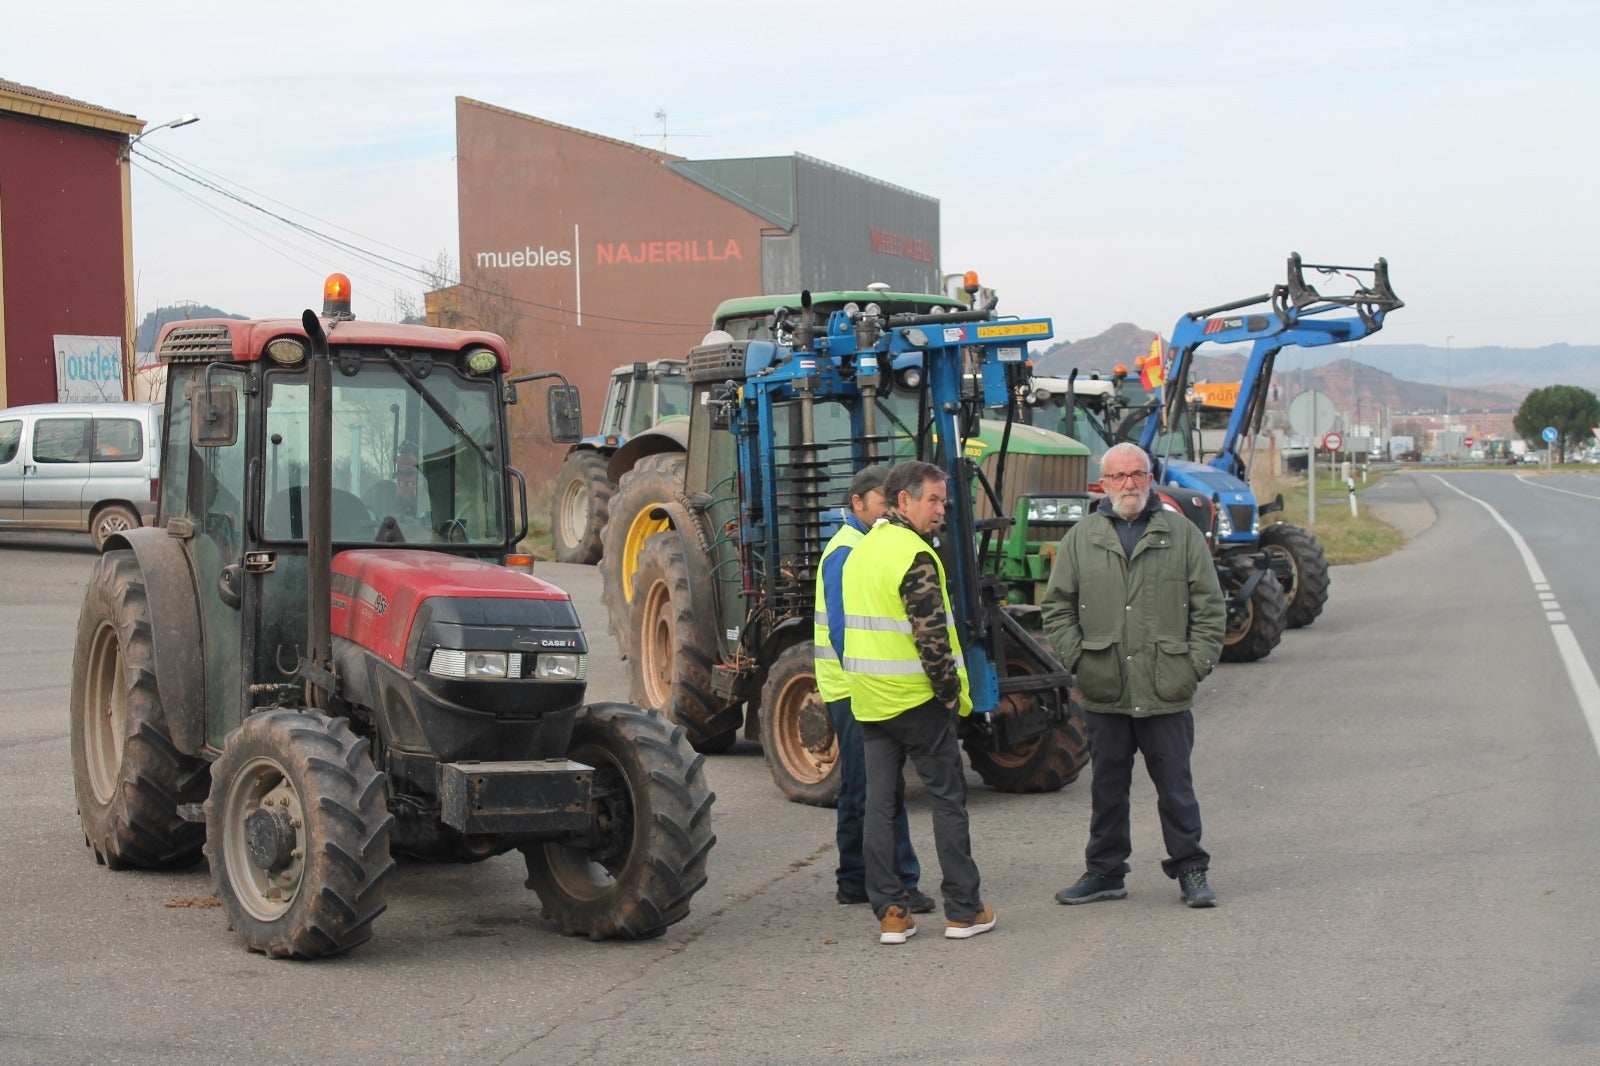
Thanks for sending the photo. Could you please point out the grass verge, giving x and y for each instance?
(1345, 538)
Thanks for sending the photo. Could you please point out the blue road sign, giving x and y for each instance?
(1550, 434)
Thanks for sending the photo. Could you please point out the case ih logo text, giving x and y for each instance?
(526, 257)
(906, 247)
(714, 250)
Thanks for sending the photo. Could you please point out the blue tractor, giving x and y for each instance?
(1292, 314)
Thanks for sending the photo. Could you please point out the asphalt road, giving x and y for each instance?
(1402, 803)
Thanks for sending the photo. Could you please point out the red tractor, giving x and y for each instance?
(316, 659)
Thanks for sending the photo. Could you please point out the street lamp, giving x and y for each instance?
(1447, 341)
(127, 149)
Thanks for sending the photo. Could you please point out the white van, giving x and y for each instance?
(83, 467)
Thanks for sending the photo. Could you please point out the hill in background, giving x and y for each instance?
(145, 340)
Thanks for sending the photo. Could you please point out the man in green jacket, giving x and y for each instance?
(1134, 609)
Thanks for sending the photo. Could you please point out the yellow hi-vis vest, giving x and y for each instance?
(831, 683)
(880, 658)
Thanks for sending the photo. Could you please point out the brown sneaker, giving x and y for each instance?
(981, 922)
(897, 926)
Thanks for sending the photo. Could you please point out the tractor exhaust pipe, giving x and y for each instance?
(317, 667)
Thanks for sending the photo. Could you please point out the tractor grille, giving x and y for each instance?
(716, 362)
(196, 344)
(1243, 516)
(1031, 474)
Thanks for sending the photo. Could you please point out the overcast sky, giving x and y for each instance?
(1095, 162)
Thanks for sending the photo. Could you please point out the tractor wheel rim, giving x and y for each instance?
(105, 714)
(657, 639)
(574, 511)
(591, 874)
(804, 763)
(1017, 704)
(1292, 568)
(261, 784)
(642, 528)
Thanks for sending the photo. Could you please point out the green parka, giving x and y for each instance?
(1140, 633)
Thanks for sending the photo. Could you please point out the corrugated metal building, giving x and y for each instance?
(66, 236)
(590, 252)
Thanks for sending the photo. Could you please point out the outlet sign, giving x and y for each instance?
(88, 369)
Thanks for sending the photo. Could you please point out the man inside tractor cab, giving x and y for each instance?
(398, 499)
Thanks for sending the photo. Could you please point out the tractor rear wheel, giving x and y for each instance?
(797, 735)
(1254, 630)
(674, 621)
(1048, 762)
(654, 480)
(1302, 569)
(652, 806)
(297, 834)
(580, 507)
(128, 775)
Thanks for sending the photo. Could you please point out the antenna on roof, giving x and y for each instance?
(661, 117)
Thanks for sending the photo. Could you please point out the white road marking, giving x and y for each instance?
(1579, 674)
(1535, 482)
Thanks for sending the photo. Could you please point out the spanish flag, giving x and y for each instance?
(1150, 369)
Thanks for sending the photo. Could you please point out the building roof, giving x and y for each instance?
(19, 99)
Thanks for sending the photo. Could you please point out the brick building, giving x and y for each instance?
(66, 246)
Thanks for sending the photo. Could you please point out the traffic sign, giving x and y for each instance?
(1466, 442)
(1332, 442)
(1550, 434)
(1311, 414)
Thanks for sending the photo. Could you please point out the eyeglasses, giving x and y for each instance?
(1118, 480)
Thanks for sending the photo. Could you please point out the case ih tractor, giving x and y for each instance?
(719, 603)
(315, 659)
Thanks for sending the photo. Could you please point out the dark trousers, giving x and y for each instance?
(852, 872)
(1165, 741)
(927, 734)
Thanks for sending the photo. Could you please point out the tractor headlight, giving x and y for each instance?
(475, 665)
(1224, 523)
(561, 667)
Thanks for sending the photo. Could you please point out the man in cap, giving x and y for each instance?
(866, 504)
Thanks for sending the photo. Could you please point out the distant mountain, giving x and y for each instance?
(151, 326)
(1361, 375)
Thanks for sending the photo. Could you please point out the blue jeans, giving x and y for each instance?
(852, 871)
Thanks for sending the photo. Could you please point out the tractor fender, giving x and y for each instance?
(169, 586)
(670, 437)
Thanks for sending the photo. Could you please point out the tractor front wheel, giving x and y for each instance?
(1046, 763)
(1302, 569)
(674, 621)
(581, 504)
(129, 777)
(656, 479)
(797, 735)
(298, 834)
(646, 858)
(1255, 626)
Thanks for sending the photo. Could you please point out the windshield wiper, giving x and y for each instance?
(438, 408)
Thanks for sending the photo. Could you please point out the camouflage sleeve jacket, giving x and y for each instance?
(924, 600)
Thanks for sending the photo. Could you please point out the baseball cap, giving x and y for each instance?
(867, 479)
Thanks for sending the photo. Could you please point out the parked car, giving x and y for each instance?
(83, 467)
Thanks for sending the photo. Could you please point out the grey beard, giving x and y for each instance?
(1128, 511)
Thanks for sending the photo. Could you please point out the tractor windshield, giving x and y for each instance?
(414, 455)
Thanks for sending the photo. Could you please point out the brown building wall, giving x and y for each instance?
(62, 254)
(587, 253)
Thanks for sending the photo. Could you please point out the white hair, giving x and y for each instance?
(1127, 448)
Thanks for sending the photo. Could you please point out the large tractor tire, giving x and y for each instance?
(653, 807)
(1253, 632)
(128, 775)
(1302, 569)
(580, 507)
(1048, 762)
(674, 620)
(655, 479)
(297, 834)
(797, 735)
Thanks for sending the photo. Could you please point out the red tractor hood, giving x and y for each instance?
(377, 591)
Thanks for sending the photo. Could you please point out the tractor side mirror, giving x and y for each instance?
(215, 421)
(566, 414)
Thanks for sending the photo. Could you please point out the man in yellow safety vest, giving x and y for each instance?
(908, 685)
(866, 504)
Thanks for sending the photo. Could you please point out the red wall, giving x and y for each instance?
(61, 232)
(654, 254)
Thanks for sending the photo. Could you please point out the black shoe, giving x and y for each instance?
(920, 902)
(849, 894)
(1196, 893)
(1092, 887)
